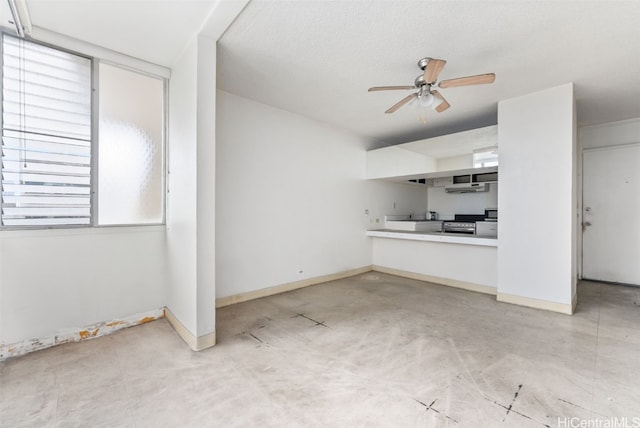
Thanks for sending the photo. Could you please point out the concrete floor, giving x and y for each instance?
(369, 351)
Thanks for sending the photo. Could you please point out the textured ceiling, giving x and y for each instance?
(317, 58)
(154, 30)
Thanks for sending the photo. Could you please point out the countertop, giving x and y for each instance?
(452, 238)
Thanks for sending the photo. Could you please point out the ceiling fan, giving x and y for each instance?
(426, 81)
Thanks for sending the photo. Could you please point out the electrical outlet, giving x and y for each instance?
(366, 212)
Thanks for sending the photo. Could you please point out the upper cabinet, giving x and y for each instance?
(435, 157)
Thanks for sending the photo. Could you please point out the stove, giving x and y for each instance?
(452, 226)
(462, 223)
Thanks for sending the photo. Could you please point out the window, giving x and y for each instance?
(57, 168)
(485, 157)
(46, 136)
(130, 183)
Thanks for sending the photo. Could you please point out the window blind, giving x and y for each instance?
(46, 136)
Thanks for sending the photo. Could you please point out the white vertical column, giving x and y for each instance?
(181, 197)
(206, 188)
(537, 200)
(191, 288)
(191, 197)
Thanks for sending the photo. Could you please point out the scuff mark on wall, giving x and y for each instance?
(78, 334)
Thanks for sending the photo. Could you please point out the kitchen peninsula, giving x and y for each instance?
(537, 133)
(452, 238)
(457, 260)
(455, 183)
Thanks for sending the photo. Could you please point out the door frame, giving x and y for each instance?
(580, 226)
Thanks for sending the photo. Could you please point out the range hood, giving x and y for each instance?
(467, 188)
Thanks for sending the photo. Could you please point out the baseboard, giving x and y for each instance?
(196, 343)
(270, 291)
(78, 334)
(470, 286)
(530, 302)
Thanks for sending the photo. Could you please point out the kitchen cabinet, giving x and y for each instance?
(473, 182)
(486, 177)
(487, 228)
(442, 181)
(489, 175)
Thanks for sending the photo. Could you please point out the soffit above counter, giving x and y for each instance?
(443, 156)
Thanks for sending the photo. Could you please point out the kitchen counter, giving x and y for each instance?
(452, 238)
(463, 261)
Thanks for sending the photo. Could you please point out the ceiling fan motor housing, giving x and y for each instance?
(423, 63)
(419, 82)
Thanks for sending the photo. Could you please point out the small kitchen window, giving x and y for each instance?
(485, 157)
(82, 140)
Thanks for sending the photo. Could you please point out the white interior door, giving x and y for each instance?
(611, 214)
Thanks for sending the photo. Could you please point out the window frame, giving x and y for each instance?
(495, 161)
(94, 221)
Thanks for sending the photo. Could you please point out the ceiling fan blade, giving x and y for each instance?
(433, 69)
(402, 102)
(390, 88)
(444, 104)
(469, 80)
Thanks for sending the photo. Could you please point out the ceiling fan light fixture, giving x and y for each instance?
(427, 100)
(426, 97)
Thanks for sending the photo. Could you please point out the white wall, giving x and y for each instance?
(53, 280)
(456, 144)
(206, 185)
(387, 198)
(455, 162)
(537, 158)
(576, 212)
(609, 134)
(444, 153)
(396, 161)
(66, 279)
(291, 196)
(182, 185)
(191, 198)
(449, 204)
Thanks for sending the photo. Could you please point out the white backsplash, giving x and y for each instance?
(449, 204)
(403, 217)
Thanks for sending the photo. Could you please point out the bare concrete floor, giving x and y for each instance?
(369, 351)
